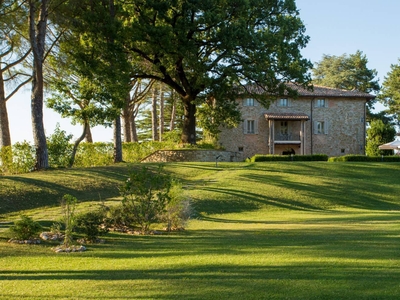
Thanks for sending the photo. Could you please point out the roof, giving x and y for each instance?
(286, 116)
(323, 91)
(319, 91)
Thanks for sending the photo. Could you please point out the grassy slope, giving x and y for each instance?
(263, 231)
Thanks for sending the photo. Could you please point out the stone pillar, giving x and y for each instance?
(271, 138)
(302, 138)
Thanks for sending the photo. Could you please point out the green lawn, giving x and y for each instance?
(303, 230)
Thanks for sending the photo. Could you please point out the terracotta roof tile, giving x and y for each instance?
(319, 91)
(323, 91)
(286, 116)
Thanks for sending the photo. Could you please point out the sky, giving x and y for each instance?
(335, 28)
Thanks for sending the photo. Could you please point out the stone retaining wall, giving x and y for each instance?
(193, 155)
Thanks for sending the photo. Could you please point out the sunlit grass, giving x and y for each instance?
(261, 231)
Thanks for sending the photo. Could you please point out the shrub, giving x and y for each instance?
(364, 158)
(19, 158)
(68, 204)
(25, 228)
(23, 157)
(116, 217)
(94, 154)
(59, 148)
(314, 157)
(145, 197)
(178, 210)
(90, 223)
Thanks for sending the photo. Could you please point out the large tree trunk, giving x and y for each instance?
(117, 140)
(134, 135)
(5, 137)
(37, 36)
(189, 121)
(154, 121)
(126, 116)
(88, 135)
(173, 115)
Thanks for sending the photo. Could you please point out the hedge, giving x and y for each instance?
(314, 157)
(364, 158)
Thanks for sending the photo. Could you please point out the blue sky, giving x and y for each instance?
(335, 27)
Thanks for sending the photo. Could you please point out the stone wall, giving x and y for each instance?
(193, 155)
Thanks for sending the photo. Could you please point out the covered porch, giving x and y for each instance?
(287, 134)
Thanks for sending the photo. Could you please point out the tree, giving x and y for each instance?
(390, 93)
(75, 93)
(99, 53)
(217, 49)
(379, 133)
(348, 72)
(130, 110)
(37, 36)
(14, 50)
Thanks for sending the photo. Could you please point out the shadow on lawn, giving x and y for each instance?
(225, 281)
(101, 184)
(361, 193)
(323, 263)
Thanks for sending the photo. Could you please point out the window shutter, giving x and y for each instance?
(326, 102)
(315, 127)
(326, 124)
(245, 126)
(244, 102)
(256, 126)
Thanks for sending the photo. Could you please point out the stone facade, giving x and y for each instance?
(326, 121)
(193, 155)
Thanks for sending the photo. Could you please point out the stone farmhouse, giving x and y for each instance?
(323, 121)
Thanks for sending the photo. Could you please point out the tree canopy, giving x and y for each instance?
(348, 72)
(377, 134)
(390, 93)
(210, 48)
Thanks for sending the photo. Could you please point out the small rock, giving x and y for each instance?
(44, 236)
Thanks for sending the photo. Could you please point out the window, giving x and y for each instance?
(320, 103)
(240, 149)
(320, 127)
(283, 102)
(284, 127)
(250, 126)
(249, 102)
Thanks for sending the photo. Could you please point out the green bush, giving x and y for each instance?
(364, 158)
(116, 218)
(25, 228)
(145, 197)
(90, 223)
(135, 152)
(179, 209)
(314, 157)
(20, 158)
(59, 148)
(94, 154)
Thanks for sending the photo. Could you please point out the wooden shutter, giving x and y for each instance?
(326, 127)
